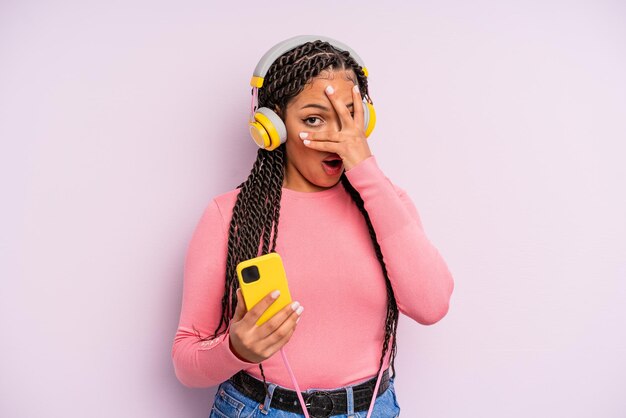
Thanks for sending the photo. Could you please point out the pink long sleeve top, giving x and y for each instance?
(332, 270)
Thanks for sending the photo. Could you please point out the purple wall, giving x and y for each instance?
(119, 121)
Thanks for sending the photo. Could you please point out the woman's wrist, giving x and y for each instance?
(235, 353)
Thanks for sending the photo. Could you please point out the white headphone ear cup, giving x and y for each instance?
(366, 114)
(277, 123)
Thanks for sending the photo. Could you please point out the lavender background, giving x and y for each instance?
(505, 122)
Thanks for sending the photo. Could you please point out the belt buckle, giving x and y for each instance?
(322, 400)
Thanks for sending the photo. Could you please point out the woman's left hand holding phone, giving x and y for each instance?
(253, 343)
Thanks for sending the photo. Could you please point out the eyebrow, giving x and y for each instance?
(322, 107)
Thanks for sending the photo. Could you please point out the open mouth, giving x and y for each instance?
(333, 167)
(333, 163)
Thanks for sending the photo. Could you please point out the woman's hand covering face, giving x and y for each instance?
(350, 143)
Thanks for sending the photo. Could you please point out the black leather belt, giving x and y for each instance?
(320, 403)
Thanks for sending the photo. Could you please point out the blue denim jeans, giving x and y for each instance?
(230, 403)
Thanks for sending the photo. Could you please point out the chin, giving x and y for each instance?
(328, 182)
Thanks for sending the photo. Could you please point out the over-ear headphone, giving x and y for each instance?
(267, 128)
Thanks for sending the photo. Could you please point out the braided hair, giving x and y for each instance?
(256, 211)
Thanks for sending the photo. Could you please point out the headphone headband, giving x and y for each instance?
(287, 45)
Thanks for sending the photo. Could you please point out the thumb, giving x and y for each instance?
(240, 309)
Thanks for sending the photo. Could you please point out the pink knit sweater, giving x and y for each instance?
(332, 271)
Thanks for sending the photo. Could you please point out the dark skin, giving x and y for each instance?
(253, 343)
(330, 131)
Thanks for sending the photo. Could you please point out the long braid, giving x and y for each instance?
(256, 212)
(392, 308)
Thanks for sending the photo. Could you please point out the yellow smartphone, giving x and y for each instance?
(259, 276)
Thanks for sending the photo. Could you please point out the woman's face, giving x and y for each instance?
(312, 111)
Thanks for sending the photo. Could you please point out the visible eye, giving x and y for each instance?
(308, 119)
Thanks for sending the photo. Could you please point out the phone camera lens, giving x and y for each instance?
(250, 274)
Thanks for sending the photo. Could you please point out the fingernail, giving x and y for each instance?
(295, 305)
(303, 135)
(329, 89)
(306, 142)
(275, 294)
(299, 310)
(356, 88)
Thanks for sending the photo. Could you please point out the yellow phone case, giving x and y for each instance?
(270, 275)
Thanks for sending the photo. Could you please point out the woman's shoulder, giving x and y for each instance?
(225, 202)
(228, 196)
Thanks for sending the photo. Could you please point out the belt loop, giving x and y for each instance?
(350, 402)
(268, 398)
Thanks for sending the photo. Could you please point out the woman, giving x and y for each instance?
(351, 241)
